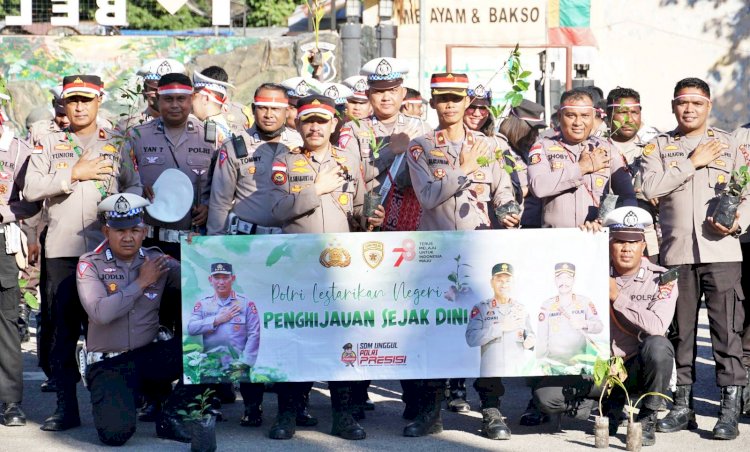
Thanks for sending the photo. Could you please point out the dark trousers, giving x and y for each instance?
(490, 390)
(292, 392)
(114, 382)
(252, 393)
(720, 284)
(67, 318)
(43, 320)
(648, 371)
(11, 360)
(746, 303)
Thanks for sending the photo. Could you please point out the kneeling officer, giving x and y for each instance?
(122, 287)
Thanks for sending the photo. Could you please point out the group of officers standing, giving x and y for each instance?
(328, 157)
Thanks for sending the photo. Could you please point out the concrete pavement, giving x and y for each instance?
(384, 425)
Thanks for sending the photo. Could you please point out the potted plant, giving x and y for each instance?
(725, 207)
(608, 374)
(202, 423)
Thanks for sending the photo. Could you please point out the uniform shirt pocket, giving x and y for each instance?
(718, 178)
(482, 189)
(198, 161)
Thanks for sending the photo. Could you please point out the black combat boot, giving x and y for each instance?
(493, 425)
(285, 425)
(304, 418)
(647, 418)
(428, 420)
(729, 412)
(457, 396)
(344, 424)
(682, 415)
(66, 414)
(253, 416)
(533, 416)
(170, 425)
(13, 415)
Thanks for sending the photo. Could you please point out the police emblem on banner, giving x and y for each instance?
(328, 51)
(373, 253)
(334, 256)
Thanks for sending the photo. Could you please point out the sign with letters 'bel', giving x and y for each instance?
(394, 305)
(110, 12)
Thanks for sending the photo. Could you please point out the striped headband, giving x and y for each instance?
(212, 96)
(634, 104)
(175, 88)
(277, 102)
(692, 95)
(577, 107)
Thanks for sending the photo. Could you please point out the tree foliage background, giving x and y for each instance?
(150, 15)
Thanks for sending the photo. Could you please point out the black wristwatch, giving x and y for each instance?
(737, 232)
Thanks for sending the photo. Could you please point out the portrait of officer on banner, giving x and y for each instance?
(502, 328)
(223, 332)
(568, 322)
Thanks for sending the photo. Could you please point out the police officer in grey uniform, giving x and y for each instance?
(392, 130)
(174, 140)
(14, 155)
(325, 197)
(572, 172)
(73, 170)
(240, 198)
(296, 89)
(241, 185)
(151, 72)
(122, 287)
(642, 299)
(226, 318)
(501, 327)
(686, 169)
(566, 320)
(624, 107)
(60, 121)
(456, 193)
(209, 102)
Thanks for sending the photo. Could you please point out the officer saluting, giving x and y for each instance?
(686, 169)
(73, 170)
(226, 317)
(325, 196)
(456, 193)
(571, 172)
(642, 297)
(566, 319)
(241, 186)
(501, 327)
(14, 155)
(122, 287)
(642, 301)
(174, 140)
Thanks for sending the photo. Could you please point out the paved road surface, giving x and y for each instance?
(383, 425)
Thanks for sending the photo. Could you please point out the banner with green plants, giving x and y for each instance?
(394, 305)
